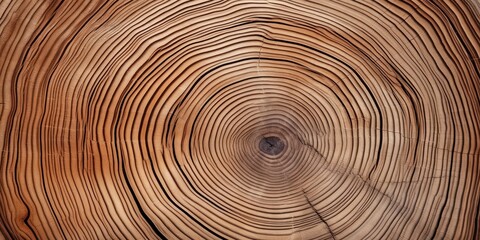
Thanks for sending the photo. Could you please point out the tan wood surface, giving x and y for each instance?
(272, 119)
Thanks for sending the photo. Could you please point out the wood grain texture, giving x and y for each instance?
(270, 119)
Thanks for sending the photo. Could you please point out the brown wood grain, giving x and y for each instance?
(240, 119)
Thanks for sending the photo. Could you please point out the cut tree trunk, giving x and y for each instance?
(240, 119)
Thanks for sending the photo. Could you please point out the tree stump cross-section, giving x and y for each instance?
(247, 119)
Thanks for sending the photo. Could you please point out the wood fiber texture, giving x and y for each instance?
(244, 119)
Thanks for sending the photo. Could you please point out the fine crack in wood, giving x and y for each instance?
(318, 214)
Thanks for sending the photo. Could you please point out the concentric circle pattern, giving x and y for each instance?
(240, 119)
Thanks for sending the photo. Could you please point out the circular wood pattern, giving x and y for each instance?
(269, 119)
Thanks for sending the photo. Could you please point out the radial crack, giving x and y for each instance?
(318, 214)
